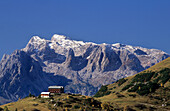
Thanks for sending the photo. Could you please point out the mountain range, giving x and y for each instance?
(148, 90)
(81, 67)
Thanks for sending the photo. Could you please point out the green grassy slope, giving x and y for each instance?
(60, 102)
(147, 90)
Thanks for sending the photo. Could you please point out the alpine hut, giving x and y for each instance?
(56, 89)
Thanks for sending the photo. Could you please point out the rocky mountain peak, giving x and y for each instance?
(35, 44)
(65, 42)
(36, 39)
(57, 37)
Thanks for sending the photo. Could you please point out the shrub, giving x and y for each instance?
(35, 104)
(76, 99)
(101, 92)
(132, 95)
(107, 93)
(6, 108)
(114, 87)
(144, 88)
(39, 96)
(121, 81)
(148, 88)
(152, 108)
(157, 97)
(120, 95)
(107, 106)
(96, 103)
(42, 101)
(165, 75)
(103, 88)
(35, 110)
(59, 103)
(127, 108)
(155, 75)
(76, 106)
(57, 94)
(49, 106)
(30, 95)
(110, 88)
(71, 101)
(127, 87)
(140, 106)
(68, 105)
(87, 101)
(135, 88)
(143, 77)
(1, 109)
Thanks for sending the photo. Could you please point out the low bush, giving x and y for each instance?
(1, 109)
(59, 103)
(107, 106)
(132, 95)
(165, 75)
(144, 89)
(35, 110)
(35, 104)
(120, 95)
(152, 108)
(42, 101)
(121, 81)
(143, 77)
(140, 106)
(87, 101)
(127, 87)
(76, 106)
(135, 88)
(128, 108)
(155, 102)
(31, 95)
(110, 88)
(57, 94)
(68, 105)
(157, 97)
(107, 93)
(102, 91)
(6, 108)
(155, 75)
(103, 88)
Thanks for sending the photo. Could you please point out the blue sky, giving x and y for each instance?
(143, 23)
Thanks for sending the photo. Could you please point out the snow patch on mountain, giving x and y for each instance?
(37, 39)
(65, 42)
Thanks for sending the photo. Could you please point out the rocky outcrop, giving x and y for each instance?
(21, 75)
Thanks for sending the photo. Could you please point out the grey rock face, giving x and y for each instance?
(82, 67)
(21, 75)
(75, 63)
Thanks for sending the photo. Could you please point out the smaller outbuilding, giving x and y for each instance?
(45, 94)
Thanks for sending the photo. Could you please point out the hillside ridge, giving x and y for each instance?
(147, 89)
